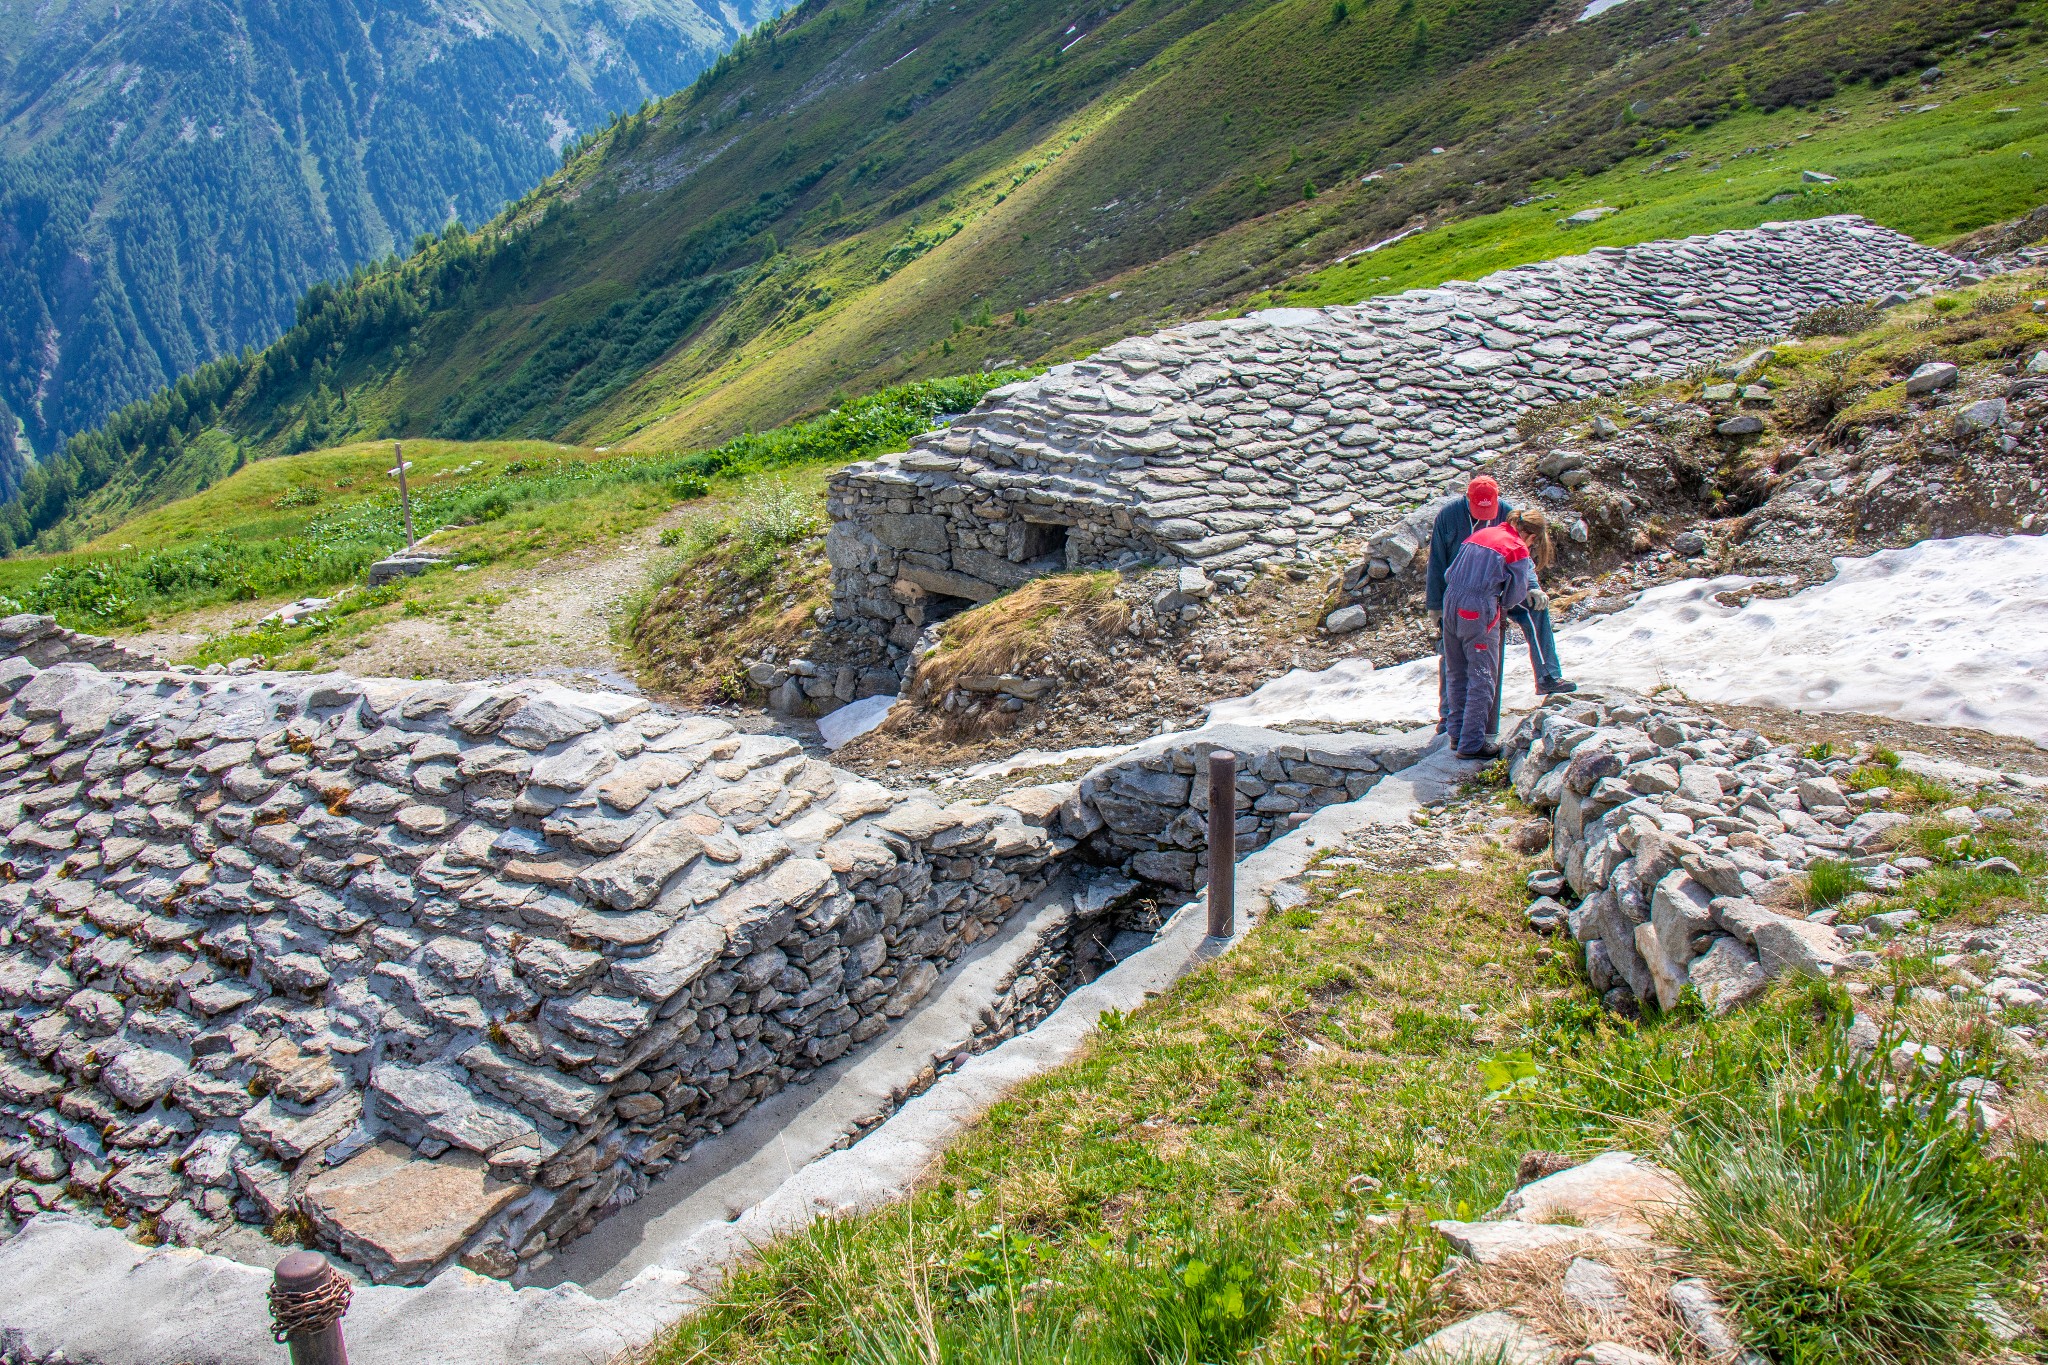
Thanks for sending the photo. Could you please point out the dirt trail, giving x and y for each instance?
(558, 617)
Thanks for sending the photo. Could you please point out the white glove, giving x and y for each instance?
(1537, 600)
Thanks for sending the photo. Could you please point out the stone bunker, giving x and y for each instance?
(1227, 445)
(448, 971)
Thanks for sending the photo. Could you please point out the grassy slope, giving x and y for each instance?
(1931, 175)
(1181, 190)
(925, 173)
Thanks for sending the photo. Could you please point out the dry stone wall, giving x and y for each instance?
(42, 642)
(446, 971)
(1682, 840)
(1224, 445)
(1147, 812)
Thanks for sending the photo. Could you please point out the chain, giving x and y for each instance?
(308, 1311)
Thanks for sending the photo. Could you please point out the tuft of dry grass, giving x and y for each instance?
(1532, 1286)
(1001, 637)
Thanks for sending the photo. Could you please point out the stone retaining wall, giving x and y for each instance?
(1231, 444)
(1147, 812)
(1683, 840)
(447, 971)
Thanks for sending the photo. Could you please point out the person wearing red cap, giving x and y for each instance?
(1459, 520)
(1478, 509)
(1490, 574)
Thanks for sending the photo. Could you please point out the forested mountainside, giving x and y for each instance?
(174, 174)
(867, 191)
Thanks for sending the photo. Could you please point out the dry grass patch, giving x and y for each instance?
(1014, 633)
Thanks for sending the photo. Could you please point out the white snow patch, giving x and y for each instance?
(1031, 760)
(1946, 632)
(853, 720)
(1598, 7)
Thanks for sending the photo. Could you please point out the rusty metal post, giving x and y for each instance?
(404, 493)
(307, 1300)
(1222, 843)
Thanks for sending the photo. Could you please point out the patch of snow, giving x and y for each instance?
(1946, 632)
(1031, 760)
(853, 720)
(1597, 8)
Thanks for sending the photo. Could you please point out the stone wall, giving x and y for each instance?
(1682, 841)
(1147, 812)
(447, 971)
(42, 642)
(1231, 444)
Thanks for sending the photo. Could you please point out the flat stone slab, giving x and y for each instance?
(1494, 1338)
(401, 1215)
(1614, 1192)
(1492, 1243)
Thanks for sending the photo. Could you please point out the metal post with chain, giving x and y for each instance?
(307, 1300)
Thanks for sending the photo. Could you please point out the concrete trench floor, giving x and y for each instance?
(653, 1262)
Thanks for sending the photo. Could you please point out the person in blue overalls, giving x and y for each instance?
(1532, 618)
(1480, 508)
(1490, 575)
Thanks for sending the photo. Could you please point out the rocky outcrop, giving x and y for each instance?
(1589, 1239)
(1147, 812)
(447, 971)
(1232, 444)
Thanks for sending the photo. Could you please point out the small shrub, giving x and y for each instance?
(1822, 395)
(1838, 320)
(1998, 299)
(688, 487)
(1538, 425)
(1847, 1224)
(299, 496)
(772, 514)
(1830, 882)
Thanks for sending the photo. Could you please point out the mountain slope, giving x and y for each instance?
(174, 174)
(866, 192)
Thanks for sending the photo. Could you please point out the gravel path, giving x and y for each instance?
(556, 618)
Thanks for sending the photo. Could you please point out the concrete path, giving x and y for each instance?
(74, 1291)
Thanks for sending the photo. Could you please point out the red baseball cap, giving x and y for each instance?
(1483, 496)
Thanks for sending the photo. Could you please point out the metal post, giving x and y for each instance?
(1222, 843)
(307, 1300)
(404, 494)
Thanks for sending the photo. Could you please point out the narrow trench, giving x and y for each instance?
(1090, 942)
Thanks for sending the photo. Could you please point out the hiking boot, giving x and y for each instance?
(1483, 751)
(1551, 685)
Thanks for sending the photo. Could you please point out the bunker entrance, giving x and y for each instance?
(1034, 542)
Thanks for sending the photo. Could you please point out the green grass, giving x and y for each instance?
(299, 524)
(1829, 881)
(1300, 1108)
(1854, 1223)
(1930, 175)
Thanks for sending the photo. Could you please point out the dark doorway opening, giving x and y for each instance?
(1042, 541)
(939, 607)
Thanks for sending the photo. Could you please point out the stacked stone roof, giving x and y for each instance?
(1224, 444)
